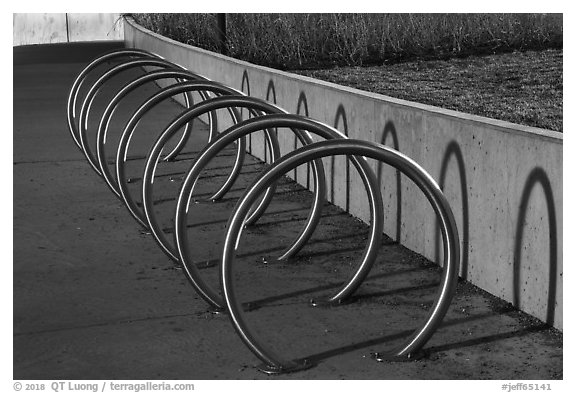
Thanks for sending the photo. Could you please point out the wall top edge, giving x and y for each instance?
(500, 125)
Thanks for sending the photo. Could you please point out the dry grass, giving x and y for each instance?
(523, 87)
(289, 41)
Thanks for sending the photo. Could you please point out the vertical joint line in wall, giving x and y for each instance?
(67, 30)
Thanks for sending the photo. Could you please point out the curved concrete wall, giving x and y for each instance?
(65, 27)
(503, 180)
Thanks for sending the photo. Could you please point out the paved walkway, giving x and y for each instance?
(95, 298)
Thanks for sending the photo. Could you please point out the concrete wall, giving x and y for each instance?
(65, 27)
(503, 180)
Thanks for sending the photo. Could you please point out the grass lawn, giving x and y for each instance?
(520, 87)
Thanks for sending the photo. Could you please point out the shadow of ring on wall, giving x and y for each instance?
(270, 89)
(389, 129)
(302, 103)
(453, 149)
(246, 84)
(340, 114)
(537, 175)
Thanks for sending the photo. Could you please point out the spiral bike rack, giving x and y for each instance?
(269, 119)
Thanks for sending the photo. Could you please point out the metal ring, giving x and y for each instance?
(293, 122)
(121, 154)
(89, 99)
(101, 136)
(275, 363)
(253, 105)
(71, 103)
(73, 96)
(164, 137)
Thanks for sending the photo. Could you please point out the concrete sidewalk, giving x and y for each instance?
(95, 298)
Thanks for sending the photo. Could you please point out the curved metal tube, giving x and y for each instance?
(73, 96)
(89, 99)
(77, 84)
(110, 109)
(293, 122)
(263, 107)
(121, 154)
(254, 105)
(154, 155)
(275, 363)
